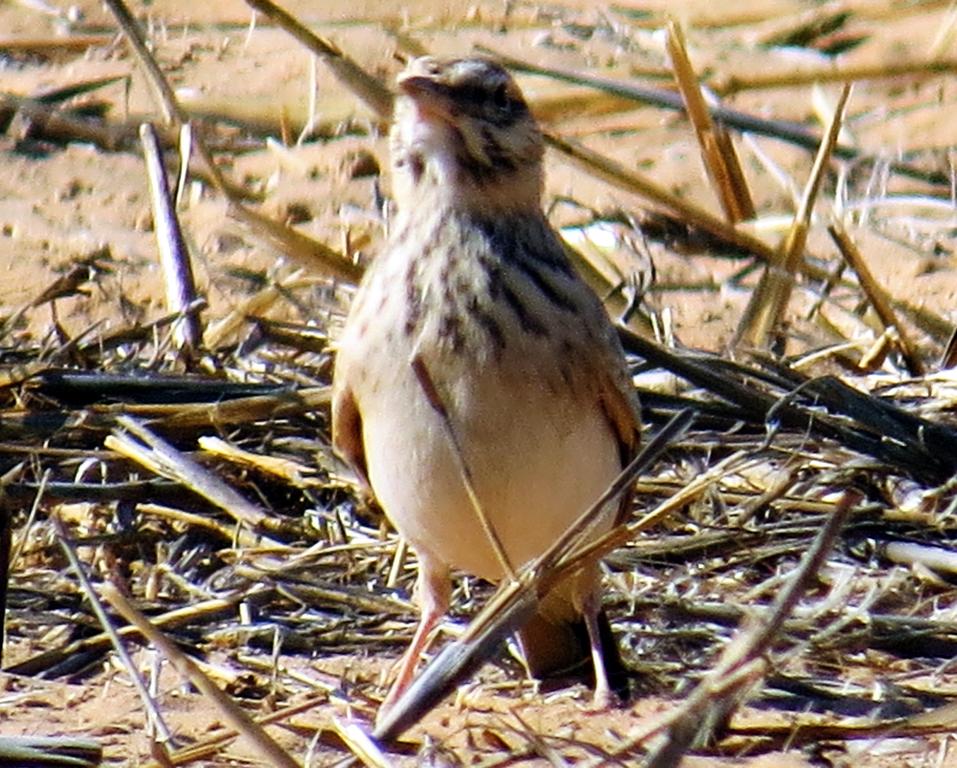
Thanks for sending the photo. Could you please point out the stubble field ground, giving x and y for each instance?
(315, 612)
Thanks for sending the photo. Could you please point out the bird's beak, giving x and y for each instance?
(430, 96)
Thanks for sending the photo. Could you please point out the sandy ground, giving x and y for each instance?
(63, 203)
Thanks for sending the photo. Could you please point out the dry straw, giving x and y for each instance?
(215, 494)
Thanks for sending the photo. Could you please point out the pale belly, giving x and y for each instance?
(539, 457)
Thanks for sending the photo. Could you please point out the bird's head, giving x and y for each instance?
(463, 132)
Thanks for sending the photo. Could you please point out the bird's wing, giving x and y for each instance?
(616, 390)
(619, 401)
(347, 431)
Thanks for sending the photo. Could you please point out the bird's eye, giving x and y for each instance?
(500, 97)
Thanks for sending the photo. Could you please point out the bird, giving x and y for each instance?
(474, 306)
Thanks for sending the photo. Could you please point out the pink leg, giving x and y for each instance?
(434, 589)
(604, 697)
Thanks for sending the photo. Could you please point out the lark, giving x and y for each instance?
(476, 289)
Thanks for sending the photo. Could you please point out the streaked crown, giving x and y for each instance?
(462, 128)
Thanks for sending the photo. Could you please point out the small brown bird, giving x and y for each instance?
(476, 287)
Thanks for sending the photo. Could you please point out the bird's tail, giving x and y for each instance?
(557, 648)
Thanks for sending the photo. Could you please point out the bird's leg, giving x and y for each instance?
(434, 590)
(604, 697)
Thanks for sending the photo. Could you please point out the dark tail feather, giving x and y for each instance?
(557, 649)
